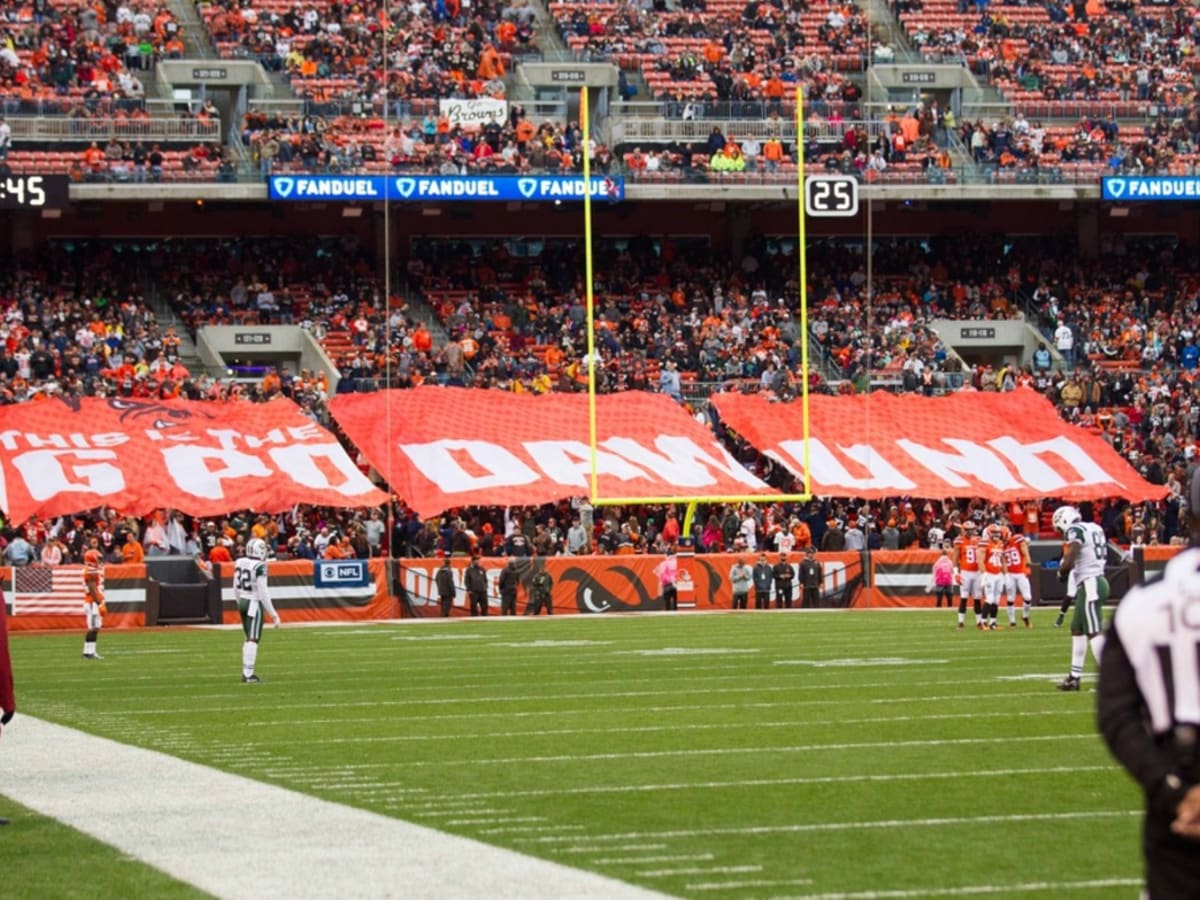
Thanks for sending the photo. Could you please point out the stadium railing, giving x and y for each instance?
(43, 128)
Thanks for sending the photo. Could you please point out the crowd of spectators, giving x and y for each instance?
(335, 53)
(1127, 55)
(1119, 356)
(55, 55)
(748, 57)
(431, 144)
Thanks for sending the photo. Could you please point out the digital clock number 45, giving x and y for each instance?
(27, 191)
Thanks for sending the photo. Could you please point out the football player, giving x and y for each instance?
(94, 607)
(1082, 567)
(254, 602)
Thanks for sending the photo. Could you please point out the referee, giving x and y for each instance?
(1149, 712)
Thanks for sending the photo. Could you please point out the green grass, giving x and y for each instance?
(787, 754)
(47, 860)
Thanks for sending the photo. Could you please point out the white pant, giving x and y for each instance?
(970, 585)
(1019, 584)
(91, 614)
(991, 585)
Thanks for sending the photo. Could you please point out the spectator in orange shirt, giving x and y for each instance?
(131, 550)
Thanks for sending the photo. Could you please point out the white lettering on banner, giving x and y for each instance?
(570, 187)
(45, 472)
(971, 459)
(681, 462)
(336, 187)
(274, 436)
(474, 111)
(311, 432)
(177, 435)
(569, 462)
(458, 187)
(11, 440)
(1026, 459)
(299, 462)
(188, 466)
(436, 462)
(829, 471)
(677, 461)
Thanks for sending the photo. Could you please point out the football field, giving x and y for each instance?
(812, 754)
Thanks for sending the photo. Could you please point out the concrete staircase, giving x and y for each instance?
(166, 317)
(196, 41)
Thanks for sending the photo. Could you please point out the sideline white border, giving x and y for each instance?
(235, 837)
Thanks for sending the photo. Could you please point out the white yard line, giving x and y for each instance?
(1062, 888)
(802, 828)
(703, 693)
(872, 778)
(732, 751)
(651, 729)
(700, 870)
(755, 883)
(234, 837)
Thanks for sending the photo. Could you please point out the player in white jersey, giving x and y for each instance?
(1083, 568)
(254, 602)
(1148, 707)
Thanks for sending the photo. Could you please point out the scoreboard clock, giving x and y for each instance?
(831, 195)
(33, 191)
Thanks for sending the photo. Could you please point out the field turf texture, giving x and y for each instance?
(779, 754)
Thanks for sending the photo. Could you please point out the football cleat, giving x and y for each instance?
(251, 679)
(1028, 622)
(92, 656)
(961, 626)
(1070, 683)
(1012, 624)
(1058, 621)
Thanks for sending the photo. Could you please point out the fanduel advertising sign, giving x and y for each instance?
(1151, 187)
(441, 187)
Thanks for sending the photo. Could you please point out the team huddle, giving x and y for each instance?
(991, 567)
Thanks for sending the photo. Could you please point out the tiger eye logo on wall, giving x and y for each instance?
(604, 593)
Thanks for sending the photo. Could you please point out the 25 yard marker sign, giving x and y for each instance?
(829, 196)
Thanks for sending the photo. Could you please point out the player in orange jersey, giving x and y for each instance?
(1016, 558)
(93, 604)
(991, 556)
(966, 560)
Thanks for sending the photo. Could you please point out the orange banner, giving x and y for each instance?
(1001, 446)
(59, 457)
(441, 448)
(899, 578)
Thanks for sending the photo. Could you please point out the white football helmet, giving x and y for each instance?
(256, 548)
(1064, 518)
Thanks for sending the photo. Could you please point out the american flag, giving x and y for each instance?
(47, 591)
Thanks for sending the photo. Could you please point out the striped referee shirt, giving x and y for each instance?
(1150, 676)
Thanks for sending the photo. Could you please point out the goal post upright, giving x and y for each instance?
(692, 502)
